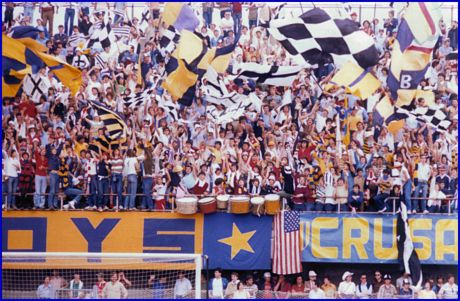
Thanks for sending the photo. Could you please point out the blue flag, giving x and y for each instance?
(237, 241)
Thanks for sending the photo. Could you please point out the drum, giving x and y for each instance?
(272, 204)
(222, 201)
(187, 205)
(257, 204)
(207, 205)
(239, 204)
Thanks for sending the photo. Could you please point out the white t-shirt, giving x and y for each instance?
(129, 166)
(316, 294)
(347, 288)
(217, 288)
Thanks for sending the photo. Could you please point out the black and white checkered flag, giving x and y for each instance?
(102, 35)
(315, 35)
(169, 40)
(268, 74)
(433, 117)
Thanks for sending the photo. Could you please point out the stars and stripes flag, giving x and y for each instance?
(286, 255)
(315, 37)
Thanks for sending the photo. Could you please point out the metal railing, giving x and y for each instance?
(172, 197)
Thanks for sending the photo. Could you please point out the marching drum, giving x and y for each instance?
(272, 204)
(187, 205)
(239, 204)
(207, 205)
(257, 205)
(222, 201)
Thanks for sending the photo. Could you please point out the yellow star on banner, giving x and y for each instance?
(238, 241)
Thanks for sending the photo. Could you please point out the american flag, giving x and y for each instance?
(286, 255)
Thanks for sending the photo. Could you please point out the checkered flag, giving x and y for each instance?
(169, 40)
(102, 35)
(434, 117)
(315, 35)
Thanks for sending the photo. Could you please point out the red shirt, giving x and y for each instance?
(41, 164)
(237, 7)
(200, 189)
(298, 289)
(28, 108)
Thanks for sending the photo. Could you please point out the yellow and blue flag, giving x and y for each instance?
(180, 15)
(412, 50)
(237, 241)
(356, 80)
(25, 56)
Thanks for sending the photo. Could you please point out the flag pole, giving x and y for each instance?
(301, 6)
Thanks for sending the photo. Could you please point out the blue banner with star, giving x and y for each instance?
(237, 241)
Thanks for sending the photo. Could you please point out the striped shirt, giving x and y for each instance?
(116, 165)
(385, 186)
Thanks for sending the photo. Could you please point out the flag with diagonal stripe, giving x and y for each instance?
(116, 126)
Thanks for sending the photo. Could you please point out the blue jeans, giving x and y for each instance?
(407, 190)
(252, 22)
(298, 207)
(423, 186)
(130, 200)
(40, 190)
(4, 190)
(12, 188)
(207, 15)
(380, 200)
(236, 22)
(310, 206)
(29, 12)
(117, 187)
(85, 11)
(343, 207)
(103, 190)
(93, 185)
(54, 188)
(330, 207)
(319, 207)
(434, 209)
(147, 191)
(74, 193)
(69, 16)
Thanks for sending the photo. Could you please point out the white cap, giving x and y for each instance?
(312, 273)
(267, 275)
(346, 274)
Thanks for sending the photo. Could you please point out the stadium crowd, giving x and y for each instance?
(290, 148)
(269, 286)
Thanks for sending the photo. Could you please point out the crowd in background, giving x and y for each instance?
(282, 148)
(249, 286)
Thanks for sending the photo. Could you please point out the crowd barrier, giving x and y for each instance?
(169, 294)
(61, 196)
